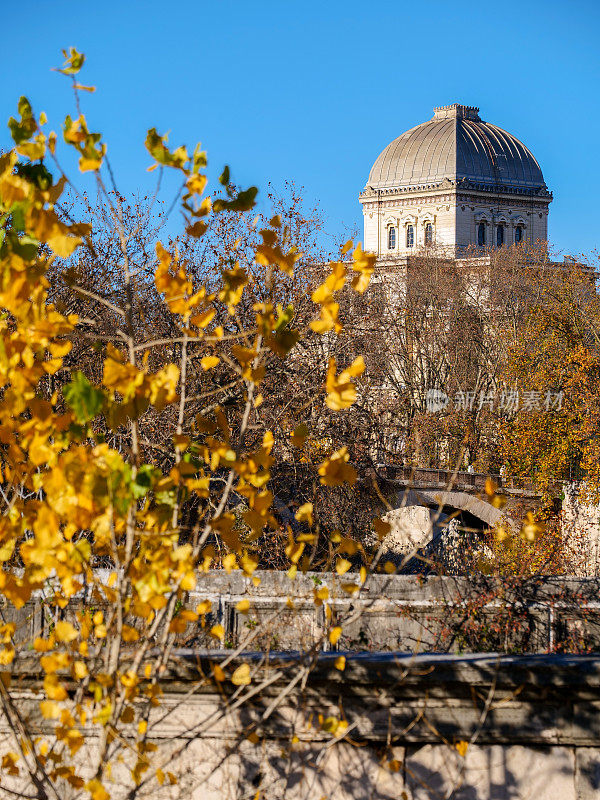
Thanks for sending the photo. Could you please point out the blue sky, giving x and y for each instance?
(313, 91)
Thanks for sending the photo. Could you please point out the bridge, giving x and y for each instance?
(451, 480)
(424, 500)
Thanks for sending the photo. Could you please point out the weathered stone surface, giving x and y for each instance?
(411, 528)
(587, 773)
(532, 721)
(490, 773)
(391, 613)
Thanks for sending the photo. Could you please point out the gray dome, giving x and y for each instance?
(456, 144)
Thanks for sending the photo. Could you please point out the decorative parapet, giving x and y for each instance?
(456, 110)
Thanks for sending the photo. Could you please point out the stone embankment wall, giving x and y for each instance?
(397, 613)
(429, 725)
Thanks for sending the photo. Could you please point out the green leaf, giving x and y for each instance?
(243, 202)
(22, 130)
(224, 177)
(155, 145)
(283, 317)
(73, 62)
(84, 400)
(36, 174)
(145, 479)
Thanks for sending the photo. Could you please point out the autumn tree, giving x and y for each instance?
(554, 361)
(92, 526)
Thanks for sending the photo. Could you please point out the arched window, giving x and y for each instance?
(391, 238)
(410, 236)
(481, 234)
(518, 234)
(499, 235)
(428, 233)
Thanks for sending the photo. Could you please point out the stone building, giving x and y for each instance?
(453, 183)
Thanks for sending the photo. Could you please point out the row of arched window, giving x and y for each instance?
(410, 236)
(500, 234)
(482, 235)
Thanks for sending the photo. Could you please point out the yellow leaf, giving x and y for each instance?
(321, 594)
(462, 748)
(243, 606)
(208, 362)
(490, 487)
(342, 566)
(204, 607)
(299, 435)
(364, 265)
(341, 392)
(241, 676)
(340, 663)
(335, 470)
(97, 790)
(334, 635)
(80, 671)
(50, 709)
(501, 534)
(54, 690)
(204, 318)
(65, 632)
(348, 545)
(9, 763)
(229, 562)
(382, 528)
(294, 550)
(129, 634)
(305, 513)
(217, 632)
(531, 528)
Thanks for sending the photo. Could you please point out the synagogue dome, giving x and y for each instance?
(458, 146)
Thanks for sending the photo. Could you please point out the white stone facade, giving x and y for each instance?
(454, 218)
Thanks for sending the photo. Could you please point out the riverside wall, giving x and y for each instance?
(401, 720)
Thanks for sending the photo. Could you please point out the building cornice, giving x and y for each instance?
(463, 185)
(373, 202)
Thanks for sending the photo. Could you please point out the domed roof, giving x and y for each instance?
(456, 144)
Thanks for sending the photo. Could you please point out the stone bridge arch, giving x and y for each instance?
(415, 523)
(462, 501)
